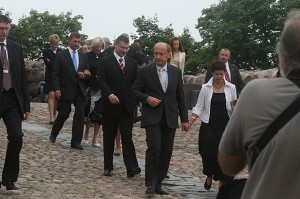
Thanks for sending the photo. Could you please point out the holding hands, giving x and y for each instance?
(192, 119)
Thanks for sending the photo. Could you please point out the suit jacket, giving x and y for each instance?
(113, 81)
(17, 74)
(65, 77)
(172, 101)
(235, 77)
(49, 57)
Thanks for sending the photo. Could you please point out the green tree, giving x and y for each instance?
(33, 31)
(148, 33)
(250, 28)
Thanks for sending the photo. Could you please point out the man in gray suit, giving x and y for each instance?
(14, 101)
(159, 87)
(70, 69)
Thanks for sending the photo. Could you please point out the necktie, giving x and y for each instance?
(74, 60)
(227, 75)
(6, 78)
(121, 64)
(162, 78)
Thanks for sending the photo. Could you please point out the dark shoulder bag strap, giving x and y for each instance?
(276, 125)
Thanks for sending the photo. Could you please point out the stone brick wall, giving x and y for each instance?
(192, 84)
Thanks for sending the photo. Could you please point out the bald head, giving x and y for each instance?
(162, 53)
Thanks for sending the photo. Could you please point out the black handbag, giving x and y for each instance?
(234, 189)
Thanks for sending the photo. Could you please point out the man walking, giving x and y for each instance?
(116, 75)
(14, 100)
(159, 87)
(70, 69)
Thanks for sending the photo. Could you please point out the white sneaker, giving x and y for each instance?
(96, 145)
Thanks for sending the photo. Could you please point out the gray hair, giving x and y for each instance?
(106, 41)
(289, 44)
(97, 42)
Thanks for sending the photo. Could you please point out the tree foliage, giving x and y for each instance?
(33, 31)
(250, 28)
(148, 33)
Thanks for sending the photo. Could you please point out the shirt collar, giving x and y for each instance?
(118, 57)
(165, 67)
(71, 50)
(5, 42)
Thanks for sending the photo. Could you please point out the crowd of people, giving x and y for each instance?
(106, 83)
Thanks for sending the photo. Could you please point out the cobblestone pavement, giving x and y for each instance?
(57, 171)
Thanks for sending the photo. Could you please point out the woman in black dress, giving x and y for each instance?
(214, 109)
(49, 57)
(94, 94)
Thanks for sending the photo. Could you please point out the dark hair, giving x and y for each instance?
(5, 19)
(122, 38)
(74, 34)
(180, 45)
(218, 65)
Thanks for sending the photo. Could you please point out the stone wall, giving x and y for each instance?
(192, 84)
(35, 73)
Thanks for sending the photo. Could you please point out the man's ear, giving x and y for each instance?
(283, 63)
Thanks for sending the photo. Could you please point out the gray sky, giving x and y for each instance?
(111, 18)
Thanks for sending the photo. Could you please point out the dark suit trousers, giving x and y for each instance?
(110, 123)
(160, 140)
(64, 109)
(12, 116)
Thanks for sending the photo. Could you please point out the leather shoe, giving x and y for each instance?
(133, 172)
(52, 139)
(9, 185)
(150, 190)
(108, 173)
(160, 191)
(206, 185)
(76, 146)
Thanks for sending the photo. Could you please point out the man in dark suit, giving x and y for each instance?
(14, 101)
(234, 75)
(70, 70)
(159, 87)
(116, 75)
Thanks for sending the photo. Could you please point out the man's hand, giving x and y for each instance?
(185, 126)
(84, 74)
(113, 99)
(57, 94)
(87, 73)
(153, 102)
(25, 116)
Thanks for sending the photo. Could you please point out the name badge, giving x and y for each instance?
(5, 71)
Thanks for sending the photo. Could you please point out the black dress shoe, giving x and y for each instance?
(52, 139)
(160, 191)
(133, 172)
(206, 185)
(150, 190)
(108, 173)
(77, 146)
(9, 185)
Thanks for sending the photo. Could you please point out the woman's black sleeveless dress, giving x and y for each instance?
(210, 135)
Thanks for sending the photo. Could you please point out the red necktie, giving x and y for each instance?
(121, 64)
(227, 75)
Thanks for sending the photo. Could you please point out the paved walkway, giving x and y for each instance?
(56, 171)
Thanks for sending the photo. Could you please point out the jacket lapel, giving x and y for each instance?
(69, 59)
